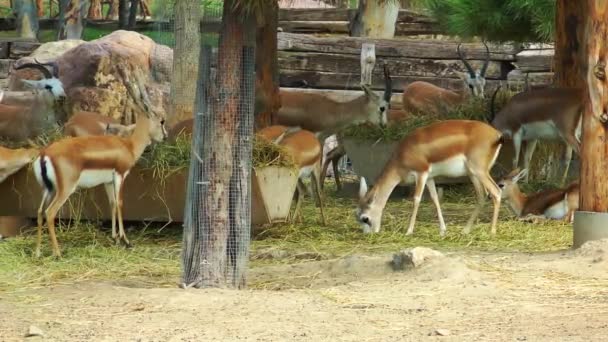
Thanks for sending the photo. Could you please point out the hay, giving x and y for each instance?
(266, 153)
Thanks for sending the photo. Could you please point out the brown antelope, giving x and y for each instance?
(542, 114)
(556, 204)
(427, 98)
(307, 151)
(13, 160)
(83, 124)
(326, 117)
(451, 148)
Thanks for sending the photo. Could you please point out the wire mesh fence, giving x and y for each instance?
(217, 214)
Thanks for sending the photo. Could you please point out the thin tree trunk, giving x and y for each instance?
(40, 7)
(569, 30)
(594, 180)
(71, 19)
(133, 14)
(375, 19)
(123, 14)
(95, 12)
(27, 18)
(113, 10)
(267, 99)
(146, 12)
(185, 60)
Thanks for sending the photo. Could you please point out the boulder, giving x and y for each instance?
(107, 75)
(414, 257)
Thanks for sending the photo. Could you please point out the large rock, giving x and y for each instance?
(99, 76)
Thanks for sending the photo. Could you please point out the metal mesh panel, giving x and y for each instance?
(217, 213)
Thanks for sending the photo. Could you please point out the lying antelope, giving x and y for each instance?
(50, 82)
(325, 117)
(451, 148)
(542, 114)
(427, 98)
(307, 152)
(556, 204)
(13, 160)
(86, 162)
(83, 124)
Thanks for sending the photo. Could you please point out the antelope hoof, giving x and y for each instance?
(409, 233)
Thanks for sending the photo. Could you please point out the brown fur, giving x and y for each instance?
(12, 160)
(83, 124)
(183, 127)
(426, 98)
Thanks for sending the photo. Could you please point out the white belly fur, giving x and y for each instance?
(545, 130)
(92, 178)
(452, 167)
(306, 171)
(557, 211)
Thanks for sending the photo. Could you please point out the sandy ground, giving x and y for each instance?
(481, 297)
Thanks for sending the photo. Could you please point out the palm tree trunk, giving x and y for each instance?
(27, 18)
(95, 12)
(375, 19)
(71, 19)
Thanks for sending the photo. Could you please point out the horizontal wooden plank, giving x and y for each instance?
(343, 14)
(340, 63)
(393, 47)
(341, 27)
(534, 60)
(518, 79)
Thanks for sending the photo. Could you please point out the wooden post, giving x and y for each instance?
(267, 99)
(368, 61)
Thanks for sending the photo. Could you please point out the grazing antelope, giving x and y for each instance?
(326, 117)
(556, 204)
(427, 98)
(86, 162)
(13, 160)
(542, 114)
(307, 151)
(50, 82)
(83, 124)
(451, 148)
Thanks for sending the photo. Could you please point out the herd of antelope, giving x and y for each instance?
(100, 151)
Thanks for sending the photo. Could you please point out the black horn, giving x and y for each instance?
(41, 68)
(388, 85)
(466, 64)
(52, 64)
(487, 62)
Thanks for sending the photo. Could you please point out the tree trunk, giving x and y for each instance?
(146, 12)
(113, 10)
(267, 99)
(40, 7)
(71, 19)
(95, 12)
(27, 18)
(375, 19)
(123, 14)
(185, 60)
(594, 182)
(133, 15)
(569, 29)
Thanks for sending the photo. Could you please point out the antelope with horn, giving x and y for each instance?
(307, 152)
(556, 204)
(425, 97)
(90, 161)
(451, 148)
(50, 82)
(541, 114)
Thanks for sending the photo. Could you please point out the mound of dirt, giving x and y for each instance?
(597, 250)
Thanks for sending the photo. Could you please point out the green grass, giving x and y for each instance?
(89, 254)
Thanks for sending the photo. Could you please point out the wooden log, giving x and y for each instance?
(340, 63)
(394, 48)
(325, 80)
(341, 27)
(516, 80)
(339, 14)
(368, 61)
(534, 60)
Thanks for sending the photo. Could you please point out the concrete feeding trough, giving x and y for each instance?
(589, 226)
(272, 193)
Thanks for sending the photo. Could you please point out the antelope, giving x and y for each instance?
(89, 161)
(307, 152)
(50, 82)
(13, 160)
(427, 98)
(451, 148)
(556, 204)
(542, 114)
(25, 117)
(90, 123)
(183, 127)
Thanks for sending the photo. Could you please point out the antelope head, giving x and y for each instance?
(50, 82)
(369, 213)
(475, 79)
(377, 106)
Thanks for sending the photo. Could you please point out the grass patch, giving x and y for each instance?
(90, 254)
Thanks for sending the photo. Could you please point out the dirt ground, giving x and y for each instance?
(482, 297)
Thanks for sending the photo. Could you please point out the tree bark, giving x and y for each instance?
(123, 14)
(375, 19)
(133, 14)
(569, 29)
(95, 12)
(27, 18)
(146, 12)
(40, 7)
(594, 181)
(185, 60)
(113, 10)
(267, 96)
(71, 19)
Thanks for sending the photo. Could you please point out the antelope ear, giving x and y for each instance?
(368, 90)
(362, 188)
(520, 175)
